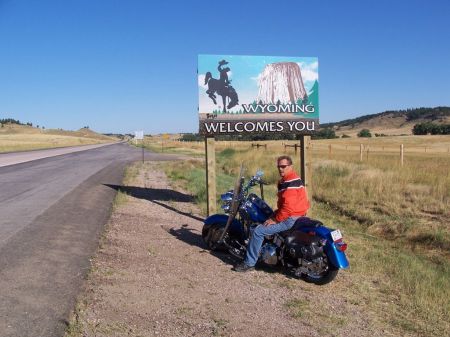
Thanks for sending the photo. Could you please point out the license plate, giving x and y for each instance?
(336, 235)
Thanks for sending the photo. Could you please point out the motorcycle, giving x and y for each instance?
(309, 250)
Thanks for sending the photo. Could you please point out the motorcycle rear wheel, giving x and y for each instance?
(323, 278)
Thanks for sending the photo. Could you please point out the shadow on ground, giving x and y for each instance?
(193, 237)
(184, 233)
(156, 195)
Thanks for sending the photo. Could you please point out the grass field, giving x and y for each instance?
(23, 138)
(395, 218)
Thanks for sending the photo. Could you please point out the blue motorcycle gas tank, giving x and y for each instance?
(257, 209)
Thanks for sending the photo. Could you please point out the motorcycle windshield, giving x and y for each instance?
(237, 191)
(235, 203)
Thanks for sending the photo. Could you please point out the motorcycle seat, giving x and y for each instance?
(301, 222)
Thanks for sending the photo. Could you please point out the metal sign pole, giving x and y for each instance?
(140, 135)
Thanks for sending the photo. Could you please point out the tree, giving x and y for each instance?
(327, 133)
(423, 128)
(364, 133)
(446, 129)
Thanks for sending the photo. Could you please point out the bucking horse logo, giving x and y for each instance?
(222, 87)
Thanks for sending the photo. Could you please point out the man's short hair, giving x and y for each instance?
(289, 159)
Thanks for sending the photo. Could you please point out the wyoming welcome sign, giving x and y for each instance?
(257, 94)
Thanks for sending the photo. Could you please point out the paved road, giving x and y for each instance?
(52, 211)
(22, 157)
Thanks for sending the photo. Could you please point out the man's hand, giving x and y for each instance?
(269, 222)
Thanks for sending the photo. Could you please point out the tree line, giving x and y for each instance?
(429, 128)
(410, 114)
(13, 121)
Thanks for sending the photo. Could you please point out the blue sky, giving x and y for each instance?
(120, 66)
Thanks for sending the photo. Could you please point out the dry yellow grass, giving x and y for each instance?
(395, 218)
(409, 202)
(22, 138)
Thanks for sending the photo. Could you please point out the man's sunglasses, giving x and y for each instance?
(283, 166)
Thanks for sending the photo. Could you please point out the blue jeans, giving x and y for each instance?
(257, 238)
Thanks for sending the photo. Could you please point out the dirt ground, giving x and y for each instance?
(153, 276)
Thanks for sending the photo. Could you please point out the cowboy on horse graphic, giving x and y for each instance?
(222, 87)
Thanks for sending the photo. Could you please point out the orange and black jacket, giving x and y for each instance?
(292, 198)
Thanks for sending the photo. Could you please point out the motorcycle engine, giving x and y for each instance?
(269, 254)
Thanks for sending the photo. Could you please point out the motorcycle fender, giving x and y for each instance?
(336, 257)
(236, 229)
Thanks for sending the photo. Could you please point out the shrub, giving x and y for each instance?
(324, 134)
(364, 133)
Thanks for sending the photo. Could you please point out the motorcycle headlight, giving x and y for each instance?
(226, 206)
(228, 196)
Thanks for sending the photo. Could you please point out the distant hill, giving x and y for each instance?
(394, 122)
(84, 132)
(11, 126)
(24, 137)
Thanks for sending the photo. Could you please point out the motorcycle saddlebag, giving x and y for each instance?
(303, 245)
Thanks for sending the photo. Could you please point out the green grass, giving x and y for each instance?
(191, 175)
(120, 199)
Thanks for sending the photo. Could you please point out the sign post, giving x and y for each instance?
(210, 162)
(305, 161)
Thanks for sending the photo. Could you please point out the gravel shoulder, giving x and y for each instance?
(153, 276)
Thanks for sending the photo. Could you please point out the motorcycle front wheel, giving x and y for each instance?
(211, 235)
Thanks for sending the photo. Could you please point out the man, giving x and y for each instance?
(292, 204)
(223, 73)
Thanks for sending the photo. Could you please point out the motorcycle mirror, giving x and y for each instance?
(259, 173)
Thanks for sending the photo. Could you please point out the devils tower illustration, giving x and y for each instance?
(281, 83)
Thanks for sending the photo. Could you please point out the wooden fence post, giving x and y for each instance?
(210, 152)
(305, 163)
(329, 151)
(401, 154)
(360, 152)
